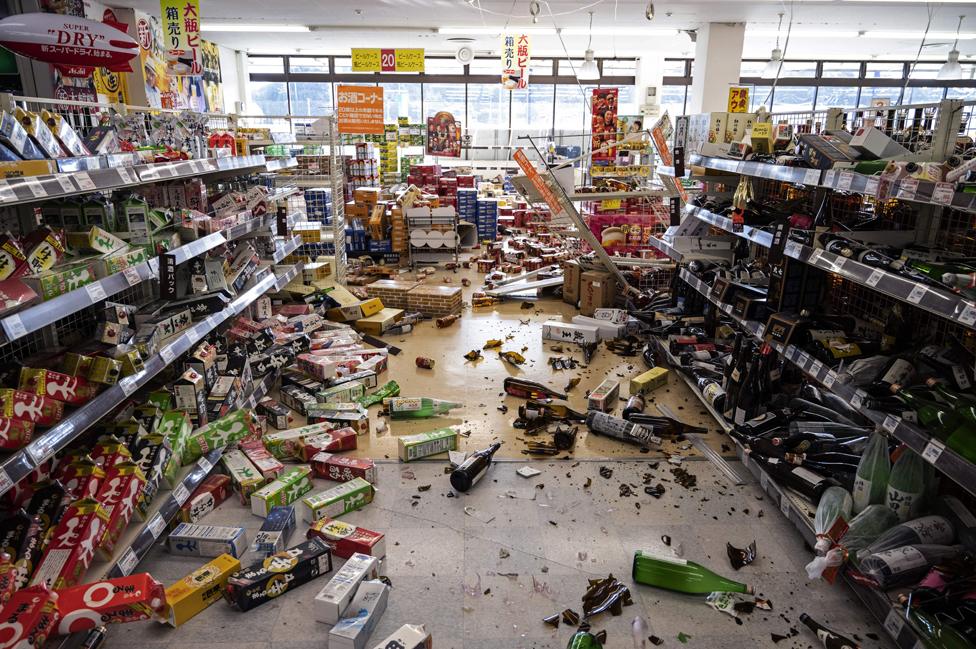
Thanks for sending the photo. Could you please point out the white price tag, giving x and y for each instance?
(127, 176)
(96, 292)
(205, 464)
(894, 623)
(35, 187)
(839, 261)
(66, 185)
(7, 193)
(917, 294)
(211, 321)
(764, 480)
(128, 562)
(132, 276)
(129, 385)
(156, 525)
(874, 277)
(180, 494)
(933, 451)
(815, 256)
(907, 188)
(802, 359)
(84, 181)
(943, 193)
(968, 315)
(167, 354)
(846, 178)
(811, 177)
(14, 327)
(857, 400)
(792, 249)
(871, 184)
(815, 368)
(784, 504)
(792, 353)
(829, 378)
(889, 424)
(828, 180)
(5, 481)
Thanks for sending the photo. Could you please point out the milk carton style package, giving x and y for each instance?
(408, 636)
(289, 487)
(346, 497)
(362, 615)
(333, 599)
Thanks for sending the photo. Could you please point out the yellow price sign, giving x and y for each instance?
(374, 59)
(365, 60)
(610, 204)
(410, 60)
(738, 99)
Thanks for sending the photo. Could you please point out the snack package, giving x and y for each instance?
(55, 385)
(29, 618)
(288, 488)
(198, 590)
(340, 439)
(353, 629)
(408, 636)
(245, 475)
(15, 434)
(119, 493)
(191, 540)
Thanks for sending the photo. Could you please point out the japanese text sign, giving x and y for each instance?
(360, 109)
(516, 55)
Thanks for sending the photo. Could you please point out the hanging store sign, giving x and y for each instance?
(516, 55)
(76, 46)
(539, 182)
(181, 33)
(603, 110)
(738, 99)
(374, 59)
(359, 109)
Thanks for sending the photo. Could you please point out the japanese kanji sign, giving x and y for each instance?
(360, 109)
(738, 99)
(539, 181)
(374, 59)
(516, 55)
(181, 35)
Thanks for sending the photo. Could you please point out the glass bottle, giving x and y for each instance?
(834, 503)
(419, 407)
(474, 468)
(925, 530)
(390, 389)
(906, 485)
(873, 472)
(681, 575)
(907, 564)
(828, 638)
(529, 389)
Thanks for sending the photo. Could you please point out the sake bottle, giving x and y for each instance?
(681, 575)
(418, 407)
(907, 564)
(834, 503)
(934, 633)
(873, 472)
(906, 485)
(926, 530)
(828, 638)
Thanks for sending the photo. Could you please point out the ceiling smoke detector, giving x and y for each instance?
(464, 55)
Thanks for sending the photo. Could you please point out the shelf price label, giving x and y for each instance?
(5, 482)
(784, 504)
(180, 494)
(167, 354)
(7, 193)
(14, 327)
(205, 464)
(156, 525)
(96, 292)
(811, 177)
(917, 294)
(828, 180)
(846, 178)
(67, 186)
(907, 188)
(933, 451)
(829, 378)
(943, 193)
(131, 275)
(128, 562)
(874, 277)
(814, 256)
(968, 315)
(894, 623)
(35, 187)
(129, 385)
(889, 424)
(857, 400)
(871, 184)
(85, 183)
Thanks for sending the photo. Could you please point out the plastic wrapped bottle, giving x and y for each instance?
(906, 485)
(862, 530)
(834, 503)
(873, 472)
(907, 564)
(927, 530)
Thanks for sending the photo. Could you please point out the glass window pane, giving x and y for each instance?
(627, 102)
(759, 96)
(401, 100)
(532, 110)
(752, 68)
(618, 68)
(846, 70)
(793, 98)
(488, 105)
(968, 94)
(443, 66)
(924, 95)
(925, 71)
(798, 69)
(265, 64)
(672, 99)
(836, 97)
(673, 68)
(571, 109)
(268, 98)
(566, 70)
(444, 96)
(885, 71)
(969, 71)
(486, 66)
(308, 64)
(343, 65)
(311, 98)
(542, 67)
(869, 93)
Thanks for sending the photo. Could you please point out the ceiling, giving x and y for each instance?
(822, 29)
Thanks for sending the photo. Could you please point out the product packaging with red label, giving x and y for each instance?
(341, 439)
(73, 544)
(120, 491)
(205, 498)
(82, 479)
(15, 434)
(30, 407)
(346, 540)
(29, 618)
(341, 468)
(113, 601)
(109, 451)
(259, 456)
(63, 387)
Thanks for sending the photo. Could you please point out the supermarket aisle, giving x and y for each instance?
(478, 585)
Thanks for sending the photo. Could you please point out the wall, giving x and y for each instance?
(230, 79)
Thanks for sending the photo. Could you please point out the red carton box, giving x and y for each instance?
(15, 433)
(109, 451)
(63, 387)
(30, 407)
(267, 464)
(82, 479)
(205, 498)
(346, 540)
(112, 601)
(29, 618)
(118, 496)
(341, 468)
(340, 439)
(72, 545)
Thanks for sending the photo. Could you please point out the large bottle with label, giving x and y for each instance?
(906, 564)
(906, 485)
(474, 468)
(926, 530)
(681, 575)
(419, 407)
(603, 424)
(873, 473)
(835, 503)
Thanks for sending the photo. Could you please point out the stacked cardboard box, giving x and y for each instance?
(392, 292)
(435, 301)
(399, 234)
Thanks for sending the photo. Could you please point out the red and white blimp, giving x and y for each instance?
(75, 45)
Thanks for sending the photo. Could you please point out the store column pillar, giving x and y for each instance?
(650, 75)
(718, 57)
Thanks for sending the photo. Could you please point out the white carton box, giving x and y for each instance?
(362, 616)
(333, 599)
(191, 540)
(408, 636)
(616, 316)
(566, 332)
(608, 330)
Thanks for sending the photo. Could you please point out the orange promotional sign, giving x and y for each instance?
(538, 181)
(359, 109)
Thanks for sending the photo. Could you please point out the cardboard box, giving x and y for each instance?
(274, 575)
(342, 499)
(652, 379)
(604, 396)
(347, 540)
(198, 590)
(597, 290)
(377, 323)
(190, 540)
(606, 330)
(66, 558)
(123, 599)
(363, 614)
(205, 498)
(571, 282)
(333, 599)
(269, 467)
(340, 468)
(289, 487)
(408, 636)
(570, 332)
(616, 316)
(414, 447)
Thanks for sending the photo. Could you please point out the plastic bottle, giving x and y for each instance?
(906, 485)
(873, 473)
(834, 503)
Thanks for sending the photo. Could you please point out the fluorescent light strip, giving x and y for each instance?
(565, 31)
(917, 2)
(618, 31)
(495, 31)
(932, 36)
(811, 33)
(243, 27)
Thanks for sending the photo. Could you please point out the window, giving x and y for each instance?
(835, 70)
(794, 98)
(627, 101)
(567, 70)
(868, 94)
(885, 71)
(401, 100)
(269, 97)
(265, 64)
(674, 68)
(445, 96)
(311, 99)
(760, 96)
(967, 94)
(925, 71)
(486, 66)
(618, 68)
(542, 67)
(752, 68)
(488, 105)
(443, 66)
(836, 97)
(301, 64)
(923, 95)
(343, 65)
(532, 110)
(798, 69)
(572, 109)
(672, 99)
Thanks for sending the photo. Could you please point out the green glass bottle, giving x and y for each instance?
(583, 639)
(951, 397)
(940, 420)
(933, 633)
(418, 407)
(390, 389)
(681, 575)
(906, 486)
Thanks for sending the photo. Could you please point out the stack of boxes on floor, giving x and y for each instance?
(388, 156)
(364, 169)
(487, 215)
(358, 212)
(589, 290)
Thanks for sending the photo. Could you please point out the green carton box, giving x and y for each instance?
(289, 487)
(285, 444)
(175, 426)
(344, 498)
(414, 447)
(226, 430)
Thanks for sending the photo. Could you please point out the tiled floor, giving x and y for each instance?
(478, 585)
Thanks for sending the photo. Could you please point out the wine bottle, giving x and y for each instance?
(712, 391)
(873, 472)
(529, 389)
(897, 371)
(828, 638)
(667, 425)
(926, 530)
(634, 405)
(681, 575)
(749, 398)
(583, 639)
(906, 564)
(938, 419)
(601, 423)
(549, 409)
(834, 503)
(807, 482)
(474, 468)
(825, 457)
(906, 485)
(802, 406)
(935, 634)
(767, 421)
(418, 407)
(964, 283)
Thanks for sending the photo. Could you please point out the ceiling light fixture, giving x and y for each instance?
(259, 27)
(495, 31)
(649, 11)
(771, 71)
(589, 70)
(809, 33)
(951, 70)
